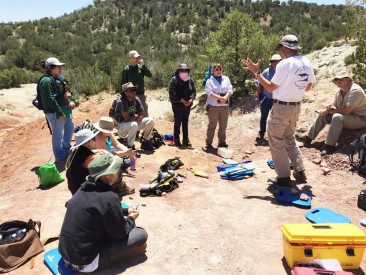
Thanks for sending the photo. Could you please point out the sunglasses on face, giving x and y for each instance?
(218, 69)
(184, 71)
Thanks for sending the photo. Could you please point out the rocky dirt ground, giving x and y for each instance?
(206, 226)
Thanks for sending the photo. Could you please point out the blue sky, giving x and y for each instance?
(24, 10)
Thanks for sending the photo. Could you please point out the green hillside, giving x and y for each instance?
(94, 41)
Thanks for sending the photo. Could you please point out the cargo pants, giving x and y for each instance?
(281, 128)
(337, 122)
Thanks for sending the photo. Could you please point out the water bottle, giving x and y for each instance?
(133, 164)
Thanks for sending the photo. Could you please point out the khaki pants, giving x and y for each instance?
(337, 122)
(281, 129)
(216, 114)
(130, 128)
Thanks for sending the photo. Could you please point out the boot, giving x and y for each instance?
(285, 181)
(300, 176)
(146, 145)
(305, 140)
(329, 150)
(187, 143)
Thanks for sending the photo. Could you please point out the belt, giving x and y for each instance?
(286, 103)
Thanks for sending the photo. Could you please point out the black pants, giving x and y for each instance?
(181, 117)
(266, 107)
(116, 251)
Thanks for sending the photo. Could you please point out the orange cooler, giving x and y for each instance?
(306, 242)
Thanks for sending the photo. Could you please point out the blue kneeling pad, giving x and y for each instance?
(325, 215)
(289, 196)
(53, 260)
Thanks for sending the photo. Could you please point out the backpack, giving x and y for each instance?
(172, 164)
(358, 146)
(37, 102)
(207, 75)
(112, 109)
(157, 139)
(48, 175)
(163, 183)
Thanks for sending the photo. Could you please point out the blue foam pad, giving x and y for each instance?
(286, 196)
(53, 260)
(270, 163)
(325, 215)
(229, 161)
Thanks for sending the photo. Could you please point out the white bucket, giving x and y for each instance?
(224, 152)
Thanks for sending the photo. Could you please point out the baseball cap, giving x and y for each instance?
(275, 57)
(134, 54)
(341, 75)
(53, 61)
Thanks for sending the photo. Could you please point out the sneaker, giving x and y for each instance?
(209, 147)
(329, 150)
(305, 140)
(175, 143)
(300, 176)
(223, 144)
(187, 143)
(285, 181)
(146, 145)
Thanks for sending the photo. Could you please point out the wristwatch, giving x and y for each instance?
(257, 72)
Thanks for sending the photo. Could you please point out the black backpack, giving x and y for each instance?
(37, 102)
(157, 139)
(358, 147)
(112, 109)
(171, 164)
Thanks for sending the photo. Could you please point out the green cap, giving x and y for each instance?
(103, 165)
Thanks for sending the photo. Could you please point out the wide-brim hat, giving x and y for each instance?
(102, 165)
(106, 124)
(289, 41)
(183, 67)
(128, 85)
(83, 136)
(340, 75)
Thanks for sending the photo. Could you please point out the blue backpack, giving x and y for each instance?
(207, 75)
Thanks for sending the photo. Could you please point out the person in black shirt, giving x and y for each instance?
(95, 232)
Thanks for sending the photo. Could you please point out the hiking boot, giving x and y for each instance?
(146, 145)
(285, 181)
(187, 143)
(175, 143)
(300, 176)
(209, 147)
(131, 147)
(306, 140)
(329, 150)
(223, 144)
(260, 138)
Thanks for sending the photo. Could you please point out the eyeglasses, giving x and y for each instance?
(218, 69)
(184, 71)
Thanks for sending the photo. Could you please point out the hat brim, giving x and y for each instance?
(112, 169)
(133, 87)
(340, 77)
(84, 141)
(97, 126)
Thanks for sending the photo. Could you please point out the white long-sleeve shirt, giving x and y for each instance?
(213, 86)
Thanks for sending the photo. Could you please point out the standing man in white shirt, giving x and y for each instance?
(293, 77)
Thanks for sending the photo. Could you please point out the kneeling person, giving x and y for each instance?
(95, 233)
(129, 115)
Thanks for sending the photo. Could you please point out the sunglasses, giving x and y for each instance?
(184, 71)
(218, 69)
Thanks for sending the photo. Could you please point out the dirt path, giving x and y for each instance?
(206, 226)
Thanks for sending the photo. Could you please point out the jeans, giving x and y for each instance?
(181, 117)
(62, 132)
(115, 251)
(265, 106)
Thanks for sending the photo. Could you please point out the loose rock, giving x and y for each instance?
(317, 161)
(326, 171)
(323, 164)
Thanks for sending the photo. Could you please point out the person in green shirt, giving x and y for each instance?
(58, 104)
(135, 73)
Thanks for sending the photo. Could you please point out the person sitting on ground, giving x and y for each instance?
(182, 92)
(218, 89)
(128, 114)
(348, 110)
(264, 97)
(95, 233)
(88, 142)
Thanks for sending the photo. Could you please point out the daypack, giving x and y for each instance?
(172, 164)
(357, 154)
(207, 75)
(164, 182)
(157, 139)
(112, 109)
(37, 102)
